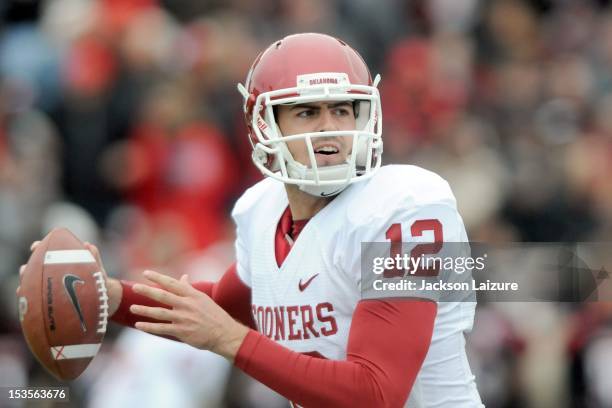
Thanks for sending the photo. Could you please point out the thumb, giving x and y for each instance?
(95, 252)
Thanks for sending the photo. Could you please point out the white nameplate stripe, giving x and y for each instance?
(68, 256)
(75, 351)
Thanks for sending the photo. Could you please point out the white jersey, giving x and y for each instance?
(307, 304)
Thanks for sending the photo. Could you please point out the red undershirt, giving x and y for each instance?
(387, 343)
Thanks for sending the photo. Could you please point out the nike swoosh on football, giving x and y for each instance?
(304, 285)
(69, 282)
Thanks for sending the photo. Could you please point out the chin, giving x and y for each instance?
(330, 161)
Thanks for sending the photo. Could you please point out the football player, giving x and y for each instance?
(290, 311)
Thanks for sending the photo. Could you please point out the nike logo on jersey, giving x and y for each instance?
(304, 285)
(69, 282)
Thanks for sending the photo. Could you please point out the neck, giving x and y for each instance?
(303, 205)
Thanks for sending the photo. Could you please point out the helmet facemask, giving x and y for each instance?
(271, 153)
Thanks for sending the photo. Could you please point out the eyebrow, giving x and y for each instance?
(329, 105)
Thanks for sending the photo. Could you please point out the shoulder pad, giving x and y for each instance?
(396, 188)
(254, 194)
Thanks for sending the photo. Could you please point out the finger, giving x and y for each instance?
(94, 251)
(185, 282)
(157, 313)
(192, 291)
(161, 329)
(157, 294)
(21, 271)
(34, 245)
(17, 290)
(167, 282)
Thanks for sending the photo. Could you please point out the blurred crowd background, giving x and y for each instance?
(120, 120)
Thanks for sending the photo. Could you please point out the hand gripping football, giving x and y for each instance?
(63, 304)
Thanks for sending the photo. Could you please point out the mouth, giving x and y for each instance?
(326, 149)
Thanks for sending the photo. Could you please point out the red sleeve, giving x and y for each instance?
(229, 292)
(387, 344)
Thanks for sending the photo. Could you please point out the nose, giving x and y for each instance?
(327, 120)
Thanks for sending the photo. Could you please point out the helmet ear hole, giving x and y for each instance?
(273, 160)
(260, 157)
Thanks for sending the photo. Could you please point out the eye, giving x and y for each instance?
(305, 113)
(343, 111)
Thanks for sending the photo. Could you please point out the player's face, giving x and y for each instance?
(318, 117)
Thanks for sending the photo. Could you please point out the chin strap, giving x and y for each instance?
(323, 191)
(299, 171)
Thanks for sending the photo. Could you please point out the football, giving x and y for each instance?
(63, 304)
